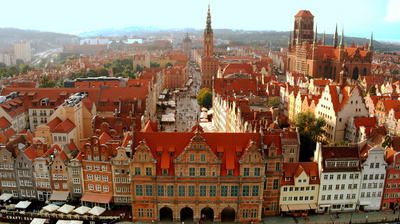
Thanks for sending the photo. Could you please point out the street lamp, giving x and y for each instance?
(351, 217)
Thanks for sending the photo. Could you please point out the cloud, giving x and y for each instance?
(392, 13)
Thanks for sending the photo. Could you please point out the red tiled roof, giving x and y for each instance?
(104, 138)
(304, 13)
(295, 169)
(54, 123)
(4, 123)
(30, 152)
(179, 141)
(9, 133)
(65, 126)
(364, 121)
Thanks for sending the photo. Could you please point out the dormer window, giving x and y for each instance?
(230, 172)
(165, 171)
(287, 178)
(313, 178)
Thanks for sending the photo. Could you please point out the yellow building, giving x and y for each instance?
(299, 187)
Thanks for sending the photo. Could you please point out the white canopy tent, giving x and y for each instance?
(66, 209)
(97, 210)
(23, 204)
(51, 207)
(82, 210)
(38, 221)
(5, 197)
(69, 222)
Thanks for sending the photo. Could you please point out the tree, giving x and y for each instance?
(395, 72)
(19, 62)
(273, 102)
(3, 65)
(25, 69)
(168, 65)
(387, 142)
(72, 57)
(126, 61)
(13, 70)
(341, 143)
(138, 68)
(204, 98)
(311, 129)
(154, 65)
(372, 90)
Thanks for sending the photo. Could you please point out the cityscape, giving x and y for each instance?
(187, 125)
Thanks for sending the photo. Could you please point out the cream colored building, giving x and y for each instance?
(299, 187)
(23, 51)
(336, 106)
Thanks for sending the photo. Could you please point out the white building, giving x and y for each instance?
(340, 170)
(8, 59)
(373, 179)
(22, 51)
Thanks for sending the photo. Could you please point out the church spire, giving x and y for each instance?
(208, 28)
(342, 38)
(323, 42)
(335, 38)
(315, 36)
(299, 33)
(371, 42)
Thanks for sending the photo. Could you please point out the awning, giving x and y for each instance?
(284, 208)
(51, 207)
(313, 206)
(38, 221)
(66, 209)
(69, 222)
(5, 196)
(365, 202)
(299, 207)
(59, 196)
(96, 198)
(23, 204)
(96, 210)
(324, 205)
(82, 210)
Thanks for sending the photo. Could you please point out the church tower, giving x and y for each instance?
(305, 19)
(209, 64)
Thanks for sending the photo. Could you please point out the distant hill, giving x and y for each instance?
(245, 37)
(13, 34)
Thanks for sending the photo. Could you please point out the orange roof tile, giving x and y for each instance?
(304, 13)
(65, 126)
(9, 133)
(4, 123)
(30, 152)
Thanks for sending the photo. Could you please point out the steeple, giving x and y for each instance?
(315, 36)
(299, 34)
(290, 41)
(342, 39)
(371, 42)
(335, 38)
(323, 42)
(208, 28)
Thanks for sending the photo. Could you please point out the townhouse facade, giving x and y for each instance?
(340, 178)
(373, 180)
(7, 170)
(299, 187)
(391, 194)
(199, 178)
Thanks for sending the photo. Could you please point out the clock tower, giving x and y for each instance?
(208, 36)
(209, 64)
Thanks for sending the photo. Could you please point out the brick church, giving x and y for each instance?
(307, 54)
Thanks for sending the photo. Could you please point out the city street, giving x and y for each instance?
(187, 109)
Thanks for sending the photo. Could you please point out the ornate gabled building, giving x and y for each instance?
(307, 55)
(209, 64)
(207, 176)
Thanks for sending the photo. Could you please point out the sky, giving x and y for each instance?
(359, 17)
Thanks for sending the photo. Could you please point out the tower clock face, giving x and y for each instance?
(208, 39)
